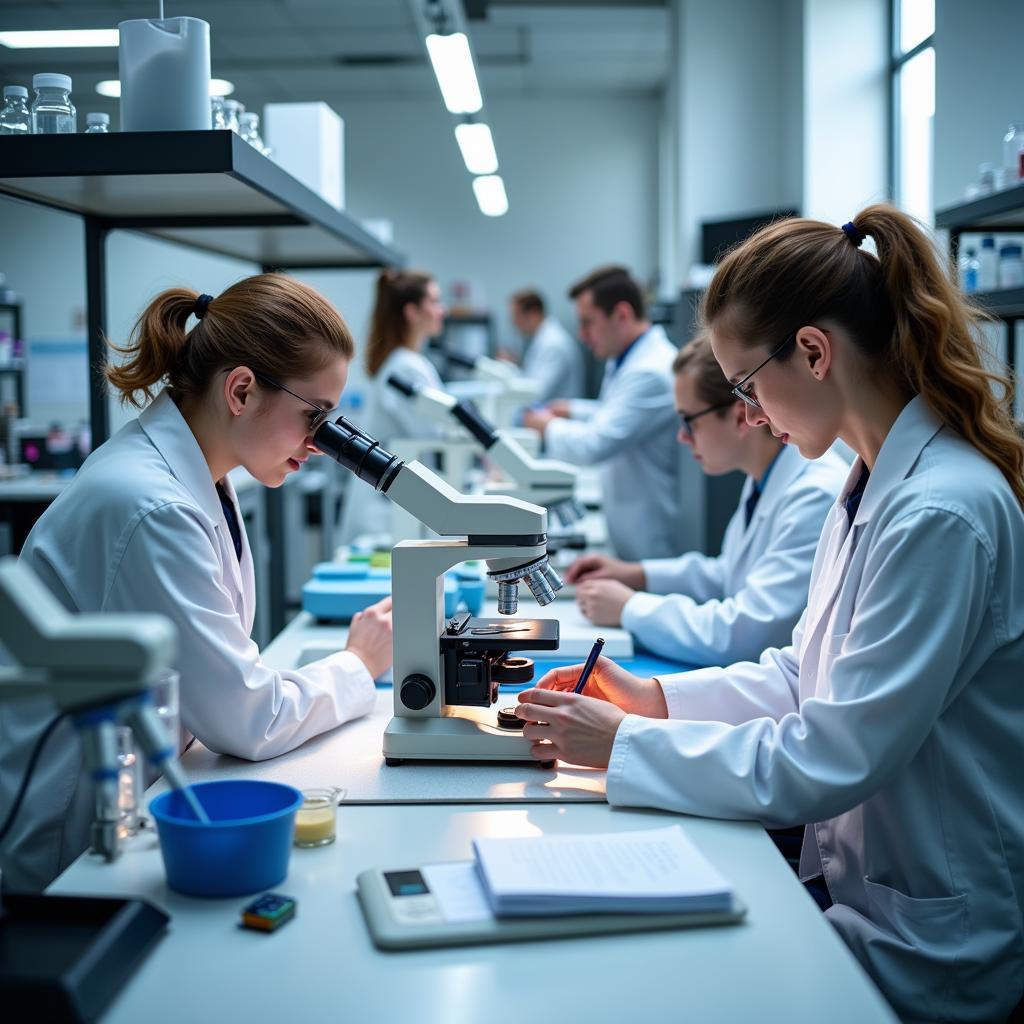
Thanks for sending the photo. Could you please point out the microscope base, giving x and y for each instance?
(454, 738)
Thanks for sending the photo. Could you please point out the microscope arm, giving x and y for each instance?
(426, 496)
(81, 661)
(504, 451)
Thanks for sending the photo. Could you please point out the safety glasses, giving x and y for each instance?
(314, 421)
(744, 390)
(686, 420)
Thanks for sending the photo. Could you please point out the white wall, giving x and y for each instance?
(846, 81)
(582, 181)
(979, 88)
(733, 105)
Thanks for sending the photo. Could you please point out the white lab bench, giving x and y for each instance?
(784, 961)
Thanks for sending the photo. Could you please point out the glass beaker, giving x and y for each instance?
(317, 819)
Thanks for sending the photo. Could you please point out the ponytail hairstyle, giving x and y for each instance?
(901, 308)
(389, 328)
(269, 322)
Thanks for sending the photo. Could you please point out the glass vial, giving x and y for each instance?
(52, 111)
(97, 124)
(15, 118)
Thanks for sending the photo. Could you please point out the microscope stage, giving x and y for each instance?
(504, 634)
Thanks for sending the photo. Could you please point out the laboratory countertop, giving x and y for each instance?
(40, 486)
(783, 962)
(350, 757)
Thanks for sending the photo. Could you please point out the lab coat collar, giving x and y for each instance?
(915, 426)
(785, 469)
(172, 437)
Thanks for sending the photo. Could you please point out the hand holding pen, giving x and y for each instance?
(595, 653)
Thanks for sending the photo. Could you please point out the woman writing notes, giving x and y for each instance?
(712, 611)
(893, 725)
(150, 524)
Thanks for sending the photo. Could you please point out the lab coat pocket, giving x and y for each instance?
(831, 648)
(935, 926)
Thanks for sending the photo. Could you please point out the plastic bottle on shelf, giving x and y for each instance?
(1011, 265)
(15, 118)
(97, 124)
(988, 265)
(968, 266)
(52, 110)
(1013, 154)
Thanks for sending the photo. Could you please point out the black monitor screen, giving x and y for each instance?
(718, 236)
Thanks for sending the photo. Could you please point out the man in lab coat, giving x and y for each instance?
(552, 358)
(629, 431)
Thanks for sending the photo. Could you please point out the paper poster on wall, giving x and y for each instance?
(57, 387)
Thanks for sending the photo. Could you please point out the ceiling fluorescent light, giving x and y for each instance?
(62, 39)
(218, 87)
(490, 195)
(453, 66)
(477, 146)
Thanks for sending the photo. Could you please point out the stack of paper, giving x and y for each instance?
(650, 871)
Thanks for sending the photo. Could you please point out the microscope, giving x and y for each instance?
(447, 672)
(98, 669)
(544, 482)
(504, 388)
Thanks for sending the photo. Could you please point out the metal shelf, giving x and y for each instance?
(209, 190)
(1006, 302)
(998, 211)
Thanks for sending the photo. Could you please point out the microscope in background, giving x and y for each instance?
(544, 482)
(98, 669)
(447, 672)
(502, 389)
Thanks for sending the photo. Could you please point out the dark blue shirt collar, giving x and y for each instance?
(621, 357)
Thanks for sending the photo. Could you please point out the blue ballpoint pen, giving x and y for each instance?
(595, 653)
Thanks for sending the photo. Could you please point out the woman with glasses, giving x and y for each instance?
(892, 726)
(713, 611)
(150, 524)
(408, 311)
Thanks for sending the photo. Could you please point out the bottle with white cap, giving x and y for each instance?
(52, 112)
(15, 118)
(97, 124)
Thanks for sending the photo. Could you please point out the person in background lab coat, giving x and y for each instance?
(628, 431)
(713, 611)
(553, 358)
(893, 724)
(150, 524)
(408, 312)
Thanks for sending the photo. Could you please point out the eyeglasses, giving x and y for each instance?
(315, 422)
(745, 390)
(686, 419)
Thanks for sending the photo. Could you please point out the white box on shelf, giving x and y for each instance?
(308, 141)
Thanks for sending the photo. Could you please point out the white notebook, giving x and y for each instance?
(650, 871)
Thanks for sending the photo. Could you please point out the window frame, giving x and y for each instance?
(897, 61)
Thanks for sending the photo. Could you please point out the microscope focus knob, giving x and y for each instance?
(417, 692)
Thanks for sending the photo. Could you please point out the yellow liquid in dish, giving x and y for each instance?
(315, 826)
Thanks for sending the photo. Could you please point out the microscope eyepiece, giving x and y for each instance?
(357, 451)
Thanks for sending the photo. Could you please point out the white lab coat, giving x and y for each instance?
(894, 724)
(714, 611)
(389, 415)
(554, 359)
(141, 529)
(630, 432)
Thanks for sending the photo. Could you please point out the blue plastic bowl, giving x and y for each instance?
(244, 849)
